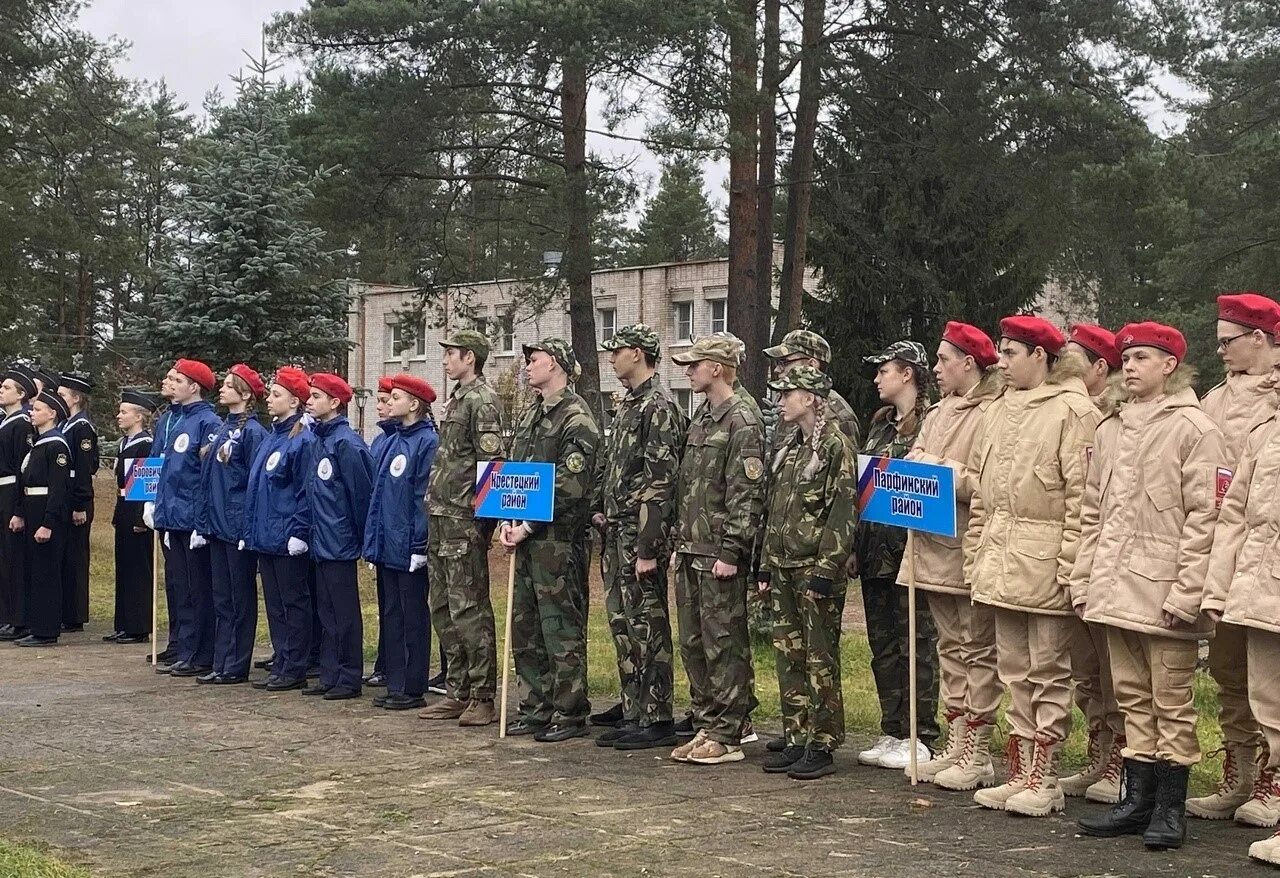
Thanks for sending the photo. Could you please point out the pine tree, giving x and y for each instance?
(247, 276)
(678, 223)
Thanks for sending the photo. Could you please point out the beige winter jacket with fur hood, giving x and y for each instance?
(1239, 404)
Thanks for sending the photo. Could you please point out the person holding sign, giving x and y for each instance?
(229, 457)
(44, 516)
(549, 620)
(1031, 451)
(133, 539)
(901, 378)
(83, 439)
(17, 390)
(720, 498)
(395, 539)
(1147, 528)
(970, 687)
(278, 528)
(809, 529)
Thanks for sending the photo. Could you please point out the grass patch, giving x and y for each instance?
(33, 861)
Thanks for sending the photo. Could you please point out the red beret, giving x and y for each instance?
(1153, 335)
(294, 380)
(250, 377)
(384, 384)
(419, 387)
(1035, 331)
(1249, 309)
(1098, 341)
(973, 341)
(327, 382)
(1277, 332)
(197, 372)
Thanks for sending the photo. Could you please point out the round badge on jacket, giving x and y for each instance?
(273, 461)
(398, 463)
(86, 444)
(324, 469)
(182, 443)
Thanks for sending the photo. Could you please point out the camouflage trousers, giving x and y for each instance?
(885, 604)
(715, 647)
(549, 631)
(641, 627)
(461, 610)
(806, 639)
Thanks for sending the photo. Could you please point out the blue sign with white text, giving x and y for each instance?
(904, 493)
(515, 490)
(141, 477)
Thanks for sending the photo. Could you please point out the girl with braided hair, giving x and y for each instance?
(809, 528)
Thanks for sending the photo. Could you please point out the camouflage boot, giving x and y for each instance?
(1263, 807)
(1239, 771)
(1107, 789)
(1018, 761)
(957, 729)
(1095, 764)
(972, 768)
(1043, 793)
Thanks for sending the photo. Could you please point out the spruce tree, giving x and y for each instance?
(678, 223)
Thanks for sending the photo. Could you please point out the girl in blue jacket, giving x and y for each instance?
(278, 528)
(396, 541)
(222, 522)
(339, 483)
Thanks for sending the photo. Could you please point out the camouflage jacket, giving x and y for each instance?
(721, 488)
(561, 430)
(879, 548)
(470, 431)
(637, 473)
(812, 509)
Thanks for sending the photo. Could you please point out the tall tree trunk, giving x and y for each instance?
(800, 190)
(747, 318)
(769, 74)
(575, 266)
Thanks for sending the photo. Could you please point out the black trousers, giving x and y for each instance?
(44, 582)
(75, 575)
(133, 580)
(13, 575)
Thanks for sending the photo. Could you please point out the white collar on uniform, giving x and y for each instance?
(144, 436)
(19, 415)
(58, 438)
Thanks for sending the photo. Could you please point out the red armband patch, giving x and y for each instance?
(1223, 484)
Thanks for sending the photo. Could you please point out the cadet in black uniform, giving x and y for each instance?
(134, 549)
(16, 392)
(83, 440)
(45, 518)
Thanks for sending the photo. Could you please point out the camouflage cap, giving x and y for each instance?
(717, 348)
(735, 341)
(560, 351)
(801, 343)
(637, 335)
(909, 352)
(468, 340)
(803, 378)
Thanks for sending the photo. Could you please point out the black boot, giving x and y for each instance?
(1168, 827)
(1133, 812)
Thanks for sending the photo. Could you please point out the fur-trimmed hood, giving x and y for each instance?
(989, 386)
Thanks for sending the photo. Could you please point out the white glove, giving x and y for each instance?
(417, 562)
(297, 547)
(149, 514)
(197, 541)
(166, 539)
(240, 548)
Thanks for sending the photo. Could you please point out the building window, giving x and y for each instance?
(399, 343)
(719, 312)
(684, 399)
(607, 318)
(684, 321)
(481, 325)
(507, 323)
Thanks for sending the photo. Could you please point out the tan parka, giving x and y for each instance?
(1239, 404)
(946, 439)
(1244, 569)
(1150, 505)
(1030, 452)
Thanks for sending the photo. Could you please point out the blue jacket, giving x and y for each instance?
(276, 506)
(397, 523)
(386, 429)
(226, 478)
(180, 433)
(339, 482)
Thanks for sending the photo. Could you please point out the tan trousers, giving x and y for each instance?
(1229, 666)
(966, 655)
(1153, 676)
(1091, 670)
(1264, 658)
(1034, 661)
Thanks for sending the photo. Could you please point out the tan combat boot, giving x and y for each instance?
(1018, 761)
(449, 708)
(972, 768)
(957, 728)
(1107, 789)
(1263, 807)
(1267, 850)
(1095, 764)
(1239, 771)
(478, 713)
(1043, 793)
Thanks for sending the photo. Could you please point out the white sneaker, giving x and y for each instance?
(900, 757)
(881, 747)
